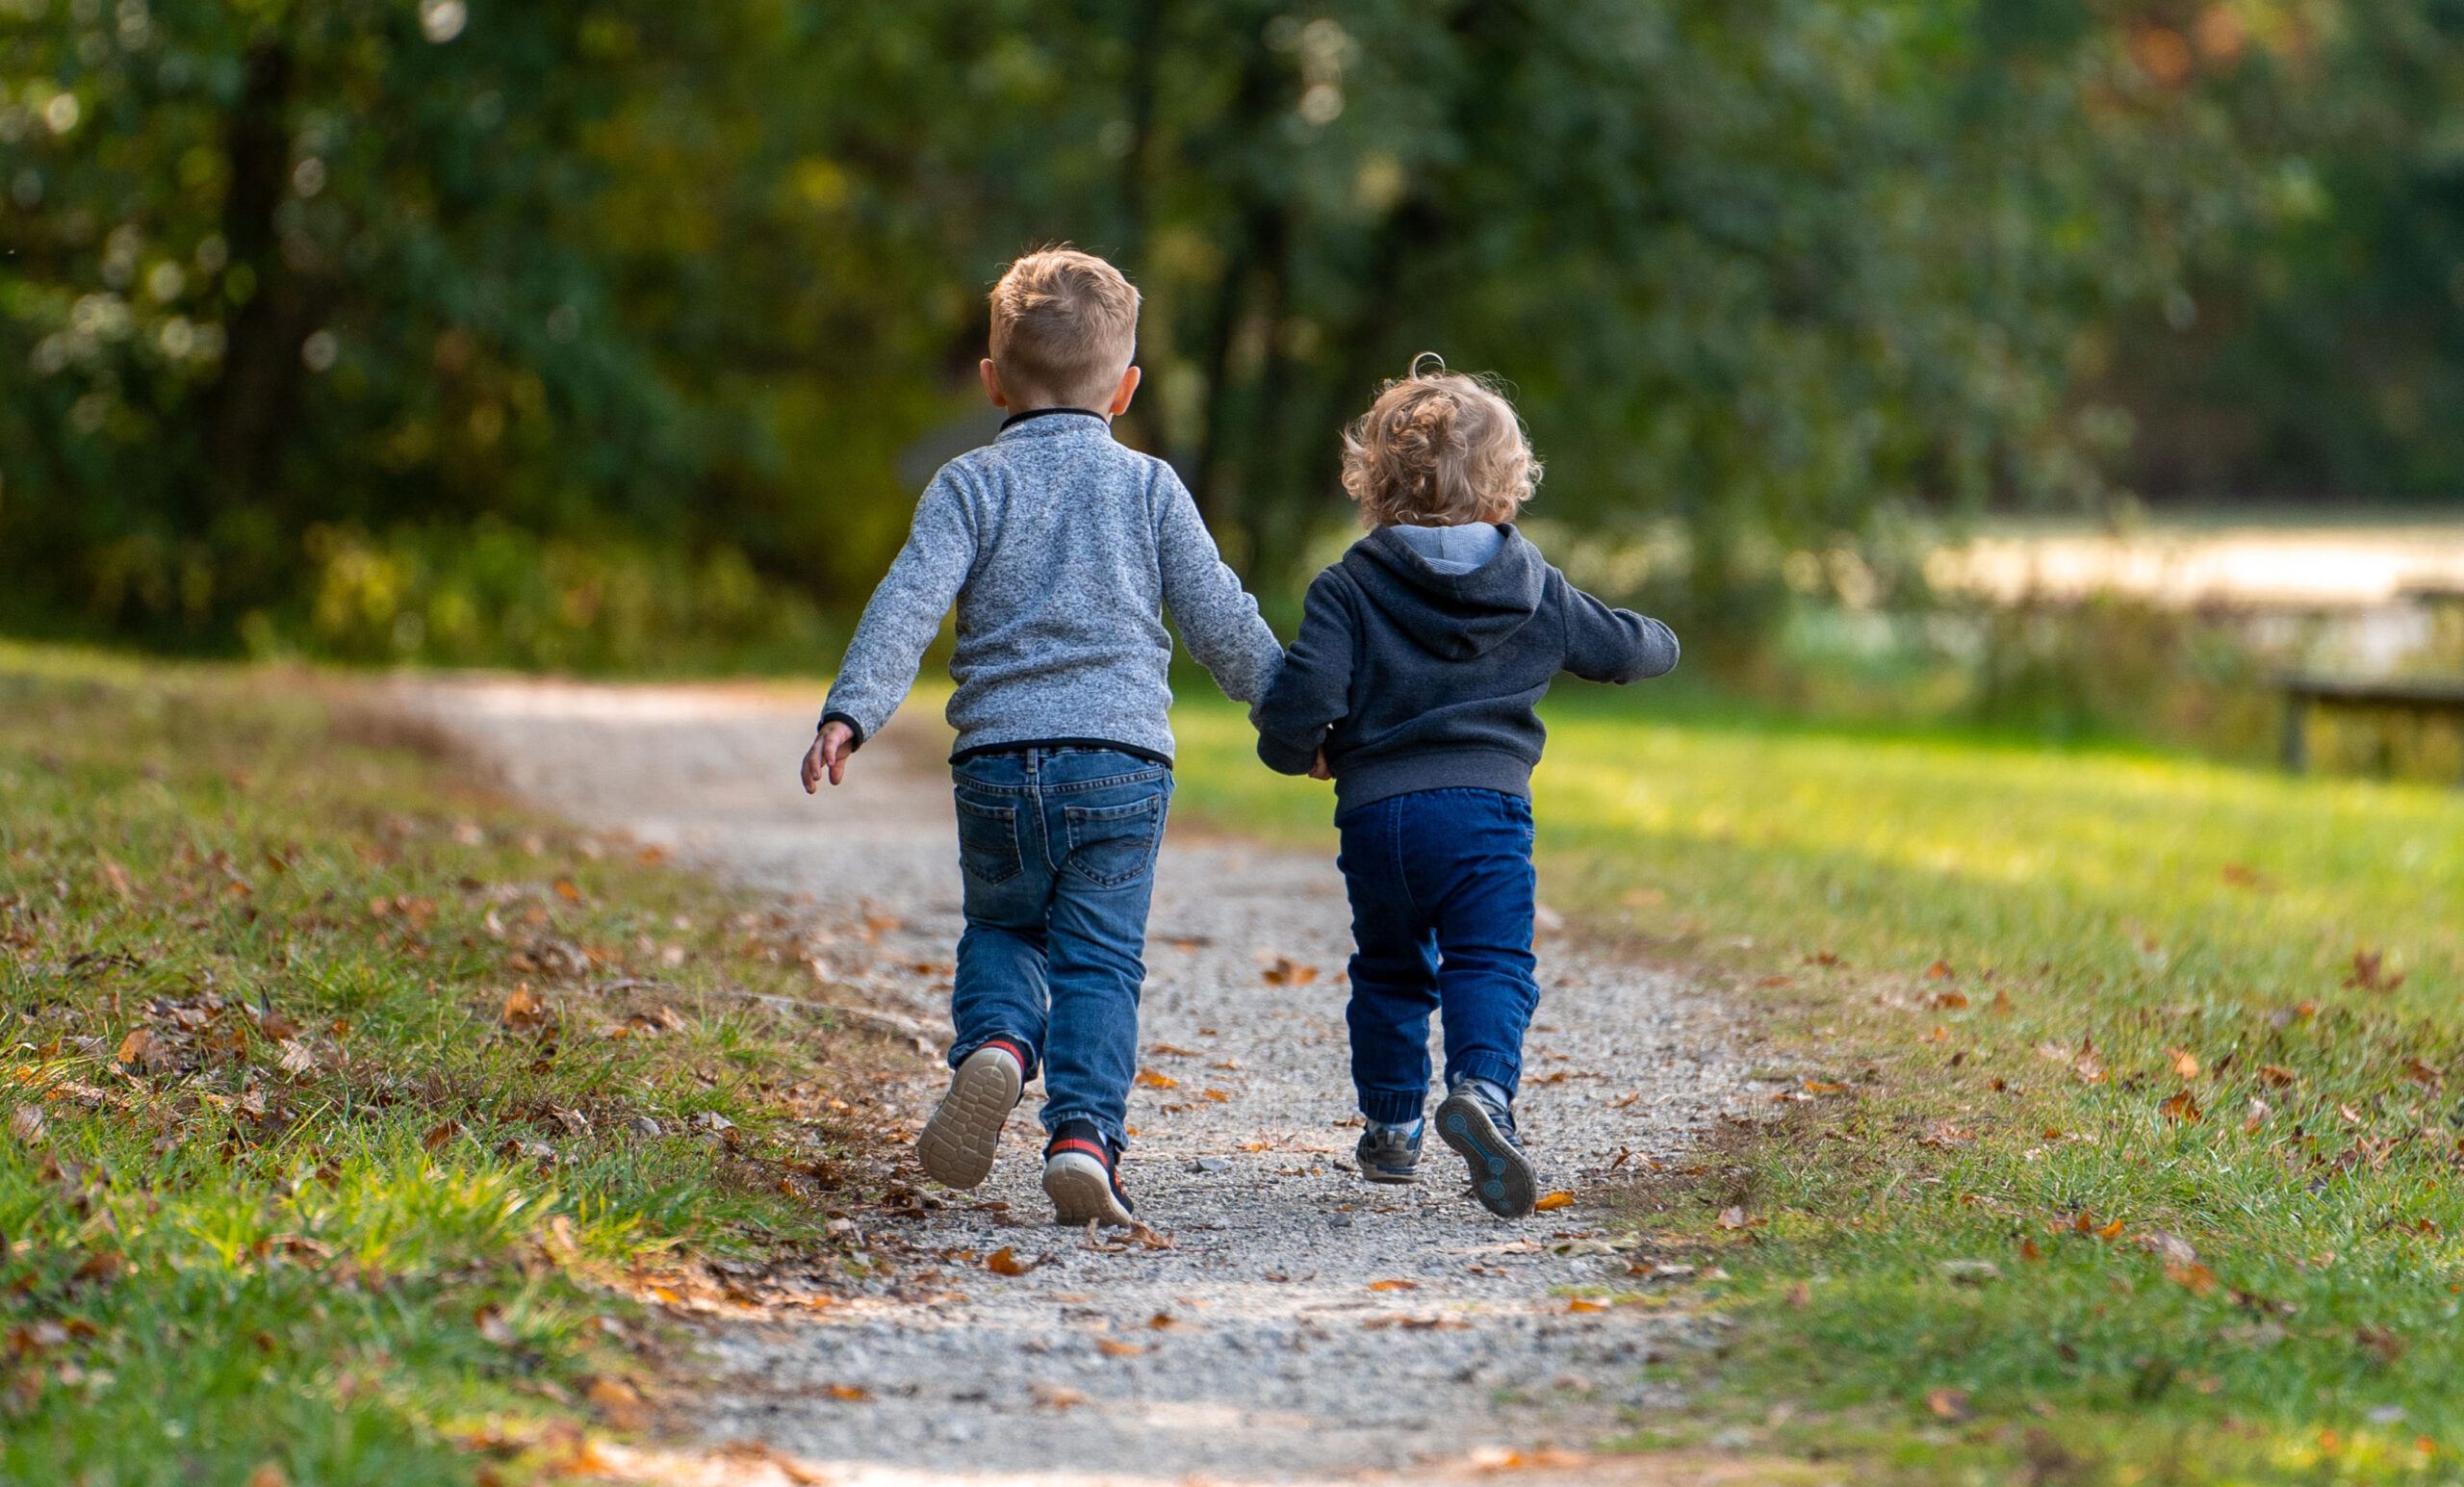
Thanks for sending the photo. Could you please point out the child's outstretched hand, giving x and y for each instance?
(1317, 771)
(829, 755)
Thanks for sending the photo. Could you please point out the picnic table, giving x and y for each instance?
(2422, 698)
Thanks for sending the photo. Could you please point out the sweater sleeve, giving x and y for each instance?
(1218, 619)
(1604, 644)
(1313, 692)
(905, 612)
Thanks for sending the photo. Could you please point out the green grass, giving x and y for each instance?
(281, 1181)
(1977, 973)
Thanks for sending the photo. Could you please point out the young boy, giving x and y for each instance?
(1060, 548)
(1411, 683)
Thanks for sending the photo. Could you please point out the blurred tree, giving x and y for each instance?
(332, 310)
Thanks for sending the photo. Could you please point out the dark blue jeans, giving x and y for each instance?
(1441, 890)
(1057, 846)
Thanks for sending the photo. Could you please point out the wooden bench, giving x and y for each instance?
(2427, 697)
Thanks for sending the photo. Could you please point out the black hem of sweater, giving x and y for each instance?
(1039, 412)
(1366, 782)
(1022, 745)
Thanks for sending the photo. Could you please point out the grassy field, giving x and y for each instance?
(348, 1109)
(2110, 1132)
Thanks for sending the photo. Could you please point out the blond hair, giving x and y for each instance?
(1065, 326)
(1438, 449)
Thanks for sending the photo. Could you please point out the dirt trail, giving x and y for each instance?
(1303, 1324)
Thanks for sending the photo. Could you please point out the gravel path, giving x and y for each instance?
(1301, 1323)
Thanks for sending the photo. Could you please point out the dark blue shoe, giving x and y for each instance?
(1387, 1154)
(1480, 1127)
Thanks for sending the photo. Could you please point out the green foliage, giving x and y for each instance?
(691, 279)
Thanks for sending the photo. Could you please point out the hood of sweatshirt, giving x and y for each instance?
(1454, 616)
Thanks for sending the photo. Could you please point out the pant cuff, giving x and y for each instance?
(1113, 1134)
(958, 1052)
(1505, 1073)
(1393, 1106)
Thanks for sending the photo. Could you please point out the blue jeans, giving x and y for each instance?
(1441, 890)
(1057, 846)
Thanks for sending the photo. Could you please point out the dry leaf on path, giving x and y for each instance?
(1153, 1080)
(1580, 1304)
(1056, 1397)
(1550, 1202)
(853, 1394)
(1005, 1261)
(1394, 1285)
(620, 1403)
(1286, 971)
(1114, 1347)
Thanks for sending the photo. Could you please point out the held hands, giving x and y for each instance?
(829, 755)
(1316, 770)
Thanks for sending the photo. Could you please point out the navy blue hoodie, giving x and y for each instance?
(1415, 679)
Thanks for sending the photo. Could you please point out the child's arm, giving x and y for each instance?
(1219, 622)
(902, 618)
(1612, 645)
(1313, 692)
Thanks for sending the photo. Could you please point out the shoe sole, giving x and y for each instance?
(1391, 1179)
(959, 1142)
(1501, 1176)
(1081, 1191)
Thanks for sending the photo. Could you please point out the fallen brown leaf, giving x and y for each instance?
(1005, 1261)
(853, 1394)
(270, 1475)
(566, 890)
(1114, 1347)
(1580, 1304)
(619, 1401)
(439, 1135)
(1286, 971)
(2370, 972)
(1949, 1405)
(2185, 1062)
(1550, 1202)
(1732, 1218)
(1394, 1285)
(141, 1049)
(522, 1012)
(1056, 1396)
(1939, 971)
(2197, 1277)
(1154, 1080)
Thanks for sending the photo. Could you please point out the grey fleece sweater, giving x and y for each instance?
(1061, 549)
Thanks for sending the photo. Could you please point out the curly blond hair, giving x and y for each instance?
(1438, 449)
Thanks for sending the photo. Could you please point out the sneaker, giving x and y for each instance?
(1080, 1174)
(957, 1143)
(1480, 1126)
(1390, 1153)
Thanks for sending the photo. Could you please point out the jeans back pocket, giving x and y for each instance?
(1110, 845)
(988, 841)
